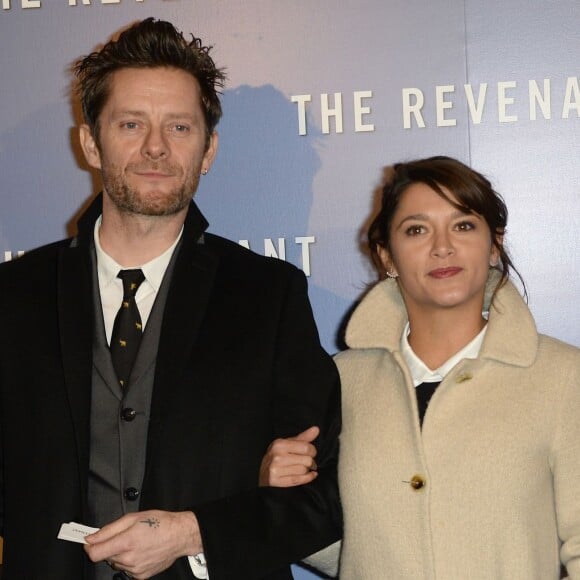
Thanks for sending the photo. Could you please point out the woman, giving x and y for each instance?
(460, 449)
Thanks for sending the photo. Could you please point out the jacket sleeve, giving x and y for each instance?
(1, 471)
(265, 529)
(565, 461)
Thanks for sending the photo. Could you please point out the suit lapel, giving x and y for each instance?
(187, 301)
(185, 308)
(76, 324)
(102, 361)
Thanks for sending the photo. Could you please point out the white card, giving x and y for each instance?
(74, 532)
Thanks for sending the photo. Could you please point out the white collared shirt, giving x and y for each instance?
(421, 373)
(111, 287)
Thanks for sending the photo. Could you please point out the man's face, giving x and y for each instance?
(152, 141)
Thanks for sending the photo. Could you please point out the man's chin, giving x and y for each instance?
(156, 210)
(154, 204)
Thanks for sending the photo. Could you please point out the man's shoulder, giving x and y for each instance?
(33, 260)
(239, 258)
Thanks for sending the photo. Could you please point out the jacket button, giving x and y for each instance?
(132, 493)
(120, 576)
(417, 482)
(128, 414)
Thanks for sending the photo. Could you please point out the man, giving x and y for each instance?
(145, 365)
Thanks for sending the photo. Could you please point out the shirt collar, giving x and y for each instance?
(154, 270)
(421, 373)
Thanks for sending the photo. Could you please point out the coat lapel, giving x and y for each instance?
(76, 324)
(185, 309)
(187, 299)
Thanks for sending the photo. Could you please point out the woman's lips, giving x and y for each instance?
(445, 272)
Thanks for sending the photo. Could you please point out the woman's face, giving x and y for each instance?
(440, 254)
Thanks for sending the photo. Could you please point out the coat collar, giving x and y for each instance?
(194, 226)
(511, 336)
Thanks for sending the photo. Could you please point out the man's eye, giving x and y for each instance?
(181, 128)
(465, 226)
(130, 125)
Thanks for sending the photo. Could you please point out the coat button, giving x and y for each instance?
(128, 414)
(417, 482)
(132, 493)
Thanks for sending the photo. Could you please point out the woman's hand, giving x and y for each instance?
(290, 462)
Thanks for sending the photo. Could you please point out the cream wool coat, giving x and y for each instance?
(499, 453)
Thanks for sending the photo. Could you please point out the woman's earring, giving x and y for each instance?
(391, 274)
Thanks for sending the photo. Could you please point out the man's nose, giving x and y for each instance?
(155, 144)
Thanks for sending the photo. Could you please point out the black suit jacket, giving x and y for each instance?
(239, 363)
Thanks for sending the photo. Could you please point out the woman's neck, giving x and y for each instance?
(436, 336)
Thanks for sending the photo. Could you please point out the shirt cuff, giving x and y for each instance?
(199, 566)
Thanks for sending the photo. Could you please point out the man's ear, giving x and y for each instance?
(210, 153)
(89, 147)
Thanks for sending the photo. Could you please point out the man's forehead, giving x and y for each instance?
(135, 89)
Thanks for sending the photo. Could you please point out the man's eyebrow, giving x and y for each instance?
(133, 113)
(137, 113)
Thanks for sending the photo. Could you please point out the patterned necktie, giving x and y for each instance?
(127, 329)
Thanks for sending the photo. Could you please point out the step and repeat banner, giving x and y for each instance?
(321, 99)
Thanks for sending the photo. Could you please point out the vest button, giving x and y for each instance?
(128, 414)
(132, 493)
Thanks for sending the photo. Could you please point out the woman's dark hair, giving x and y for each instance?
(471, 191)
(148, 44)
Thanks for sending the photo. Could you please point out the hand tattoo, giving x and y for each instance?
(151, 522)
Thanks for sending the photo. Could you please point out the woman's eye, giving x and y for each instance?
(465, 226)
(414, 230)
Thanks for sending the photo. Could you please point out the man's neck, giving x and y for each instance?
(132, 240)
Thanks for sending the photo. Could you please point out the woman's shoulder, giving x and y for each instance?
(353, 356)
(558, 352)
(361, 365)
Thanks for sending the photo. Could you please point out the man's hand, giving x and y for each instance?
(145, 543)
(290, 462)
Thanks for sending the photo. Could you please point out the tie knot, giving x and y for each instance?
(131, 281)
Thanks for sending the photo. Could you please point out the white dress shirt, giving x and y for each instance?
(421, 373)
(111, 287)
